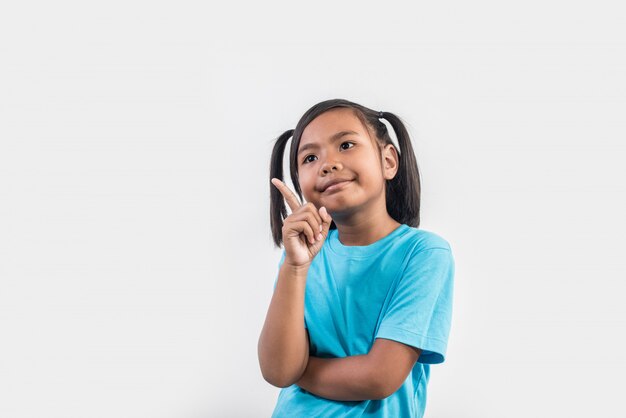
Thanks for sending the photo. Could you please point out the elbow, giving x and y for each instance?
(272, 374)
(279, 370)
(275, 379)
(380, 392)
(278, 383)
(279, 376)
(382, 388)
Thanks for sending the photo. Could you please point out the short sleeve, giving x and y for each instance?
(419, 313)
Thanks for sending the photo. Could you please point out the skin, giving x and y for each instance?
(359, 211)
(283, 347)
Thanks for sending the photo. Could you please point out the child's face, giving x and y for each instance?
(352, 157)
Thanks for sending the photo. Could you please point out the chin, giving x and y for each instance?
(336, 210)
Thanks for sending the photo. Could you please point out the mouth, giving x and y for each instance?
(336, 186)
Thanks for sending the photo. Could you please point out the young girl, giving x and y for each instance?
(362, 302)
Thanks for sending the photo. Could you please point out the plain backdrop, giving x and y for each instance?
(136, 261)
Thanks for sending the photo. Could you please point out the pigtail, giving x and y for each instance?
(278, 210)
(404, 190)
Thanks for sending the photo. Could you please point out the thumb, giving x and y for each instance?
(326, 221)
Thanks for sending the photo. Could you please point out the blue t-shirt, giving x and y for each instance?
(399, 288)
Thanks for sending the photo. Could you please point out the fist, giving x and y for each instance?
(305, 230)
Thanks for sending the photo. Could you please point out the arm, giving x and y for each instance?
(375, 375)
(340, 379)
(283, 347)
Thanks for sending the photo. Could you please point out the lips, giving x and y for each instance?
(333, 182)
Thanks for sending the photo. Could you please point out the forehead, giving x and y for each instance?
(324, 126)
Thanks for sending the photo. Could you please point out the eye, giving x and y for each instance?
(306, 159)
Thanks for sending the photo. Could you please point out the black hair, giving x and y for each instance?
(402, 192)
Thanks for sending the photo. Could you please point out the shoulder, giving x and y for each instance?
(428, 250)
(421, 239)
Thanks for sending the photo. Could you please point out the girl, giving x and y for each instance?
(362, 302)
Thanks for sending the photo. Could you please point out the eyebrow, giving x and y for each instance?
(333, 138)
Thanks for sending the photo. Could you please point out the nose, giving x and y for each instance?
(330, 166)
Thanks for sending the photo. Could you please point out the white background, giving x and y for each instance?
(136, 261)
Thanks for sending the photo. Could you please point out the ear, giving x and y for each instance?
(390, 161)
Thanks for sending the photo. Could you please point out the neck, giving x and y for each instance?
(365, 232)
(366, 224)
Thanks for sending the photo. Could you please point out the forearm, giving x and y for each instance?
(341, 379)
(283, 347)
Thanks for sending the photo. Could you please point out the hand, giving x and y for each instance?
(302, 228)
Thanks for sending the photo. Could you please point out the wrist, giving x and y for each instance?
(296, 268)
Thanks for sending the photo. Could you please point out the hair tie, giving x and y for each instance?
(380, 114)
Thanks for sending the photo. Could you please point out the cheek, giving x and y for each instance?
(306, 185)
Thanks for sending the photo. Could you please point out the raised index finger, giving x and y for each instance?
(290, 197)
